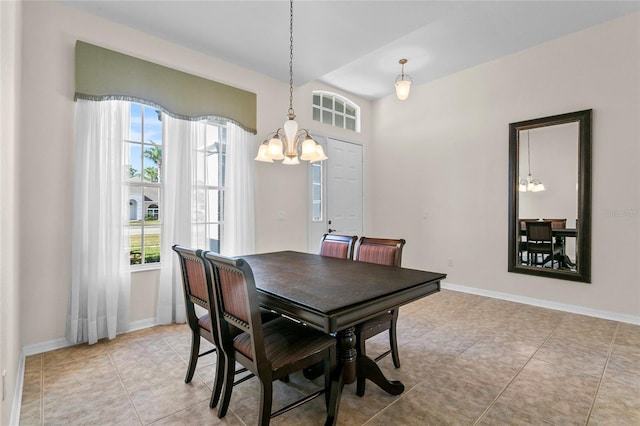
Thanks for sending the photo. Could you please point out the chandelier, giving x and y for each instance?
(286, 142)
(530, 184)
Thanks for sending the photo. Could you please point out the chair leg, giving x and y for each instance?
(227, 384)
(193, 358)
(266, 393)
(393, 339)
(218, 380)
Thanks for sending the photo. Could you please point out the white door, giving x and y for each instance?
(343, 191)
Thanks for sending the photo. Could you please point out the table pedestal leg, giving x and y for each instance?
(368, 369)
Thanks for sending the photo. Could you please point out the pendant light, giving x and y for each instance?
(288, 141)
(530, 184)
(403, 83)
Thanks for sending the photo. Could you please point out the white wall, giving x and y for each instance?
(439, 172)
(10, 343)
(46, 148)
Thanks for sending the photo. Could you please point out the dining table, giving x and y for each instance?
(334, 296)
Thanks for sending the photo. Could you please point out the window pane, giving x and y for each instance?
(316, 100)
(316, 172)
(339, 121)
(327, 117)
(317, 211)
(135, 162)
(151, 198)
(327, 102)
(152, 126)
(213, 169)
(351, 123)
(135, 245)
(152, 244)
(339, 105)
(213, 204)
(214, 238)
(199, 235)
(317, 192)
(351, 110)
(135, 128)
(135, 203)
(152, 163)
(316, 114)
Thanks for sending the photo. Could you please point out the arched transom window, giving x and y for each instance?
(336, 110)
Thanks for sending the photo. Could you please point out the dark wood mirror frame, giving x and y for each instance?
(583, 243)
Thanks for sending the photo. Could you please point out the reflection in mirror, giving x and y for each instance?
(549, 229)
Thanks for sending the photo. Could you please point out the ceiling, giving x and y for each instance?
(355, 45)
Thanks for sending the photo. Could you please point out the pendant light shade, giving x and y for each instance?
(403, 83)
(285, 143)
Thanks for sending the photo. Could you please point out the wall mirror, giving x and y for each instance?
(550, 196)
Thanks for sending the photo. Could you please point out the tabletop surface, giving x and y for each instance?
(327, 284)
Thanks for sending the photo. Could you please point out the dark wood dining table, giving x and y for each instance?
(334, 295)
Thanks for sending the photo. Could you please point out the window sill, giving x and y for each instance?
(145, 268)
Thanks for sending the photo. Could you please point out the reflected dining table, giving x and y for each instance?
(333, 296)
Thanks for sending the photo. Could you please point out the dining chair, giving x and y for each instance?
(383, 251)
(198, 291)
(522, 239)
(271, 351)
(340, 246)
(540, 242)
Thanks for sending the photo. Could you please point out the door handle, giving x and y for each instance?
(331, 230)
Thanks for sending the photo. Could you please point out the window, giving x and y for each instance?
(146, 185)
(144, 147)
(316, 191)
(335, 110)
(207, 217)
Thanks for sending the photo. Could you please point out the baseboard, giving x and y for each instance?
(17, 395)
(631, 319)
(51, 345)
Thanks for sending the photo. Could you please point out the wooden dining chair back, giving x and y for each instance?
(382, 251)
(340, 246)
(522, 239)
(198, 291)
(271, 351)
(557, 223)
(540, 243)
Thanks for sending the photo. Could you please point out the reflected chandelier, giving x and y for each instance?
(295, 139)
(530, 184)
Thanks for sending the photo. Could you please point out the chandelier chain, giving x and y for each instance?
(291, 57)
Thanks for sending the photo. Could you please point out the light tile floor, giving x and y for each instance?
(466, 360)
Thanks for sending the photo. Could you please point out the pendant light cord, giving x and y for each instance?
(528, 153)
(291, 113)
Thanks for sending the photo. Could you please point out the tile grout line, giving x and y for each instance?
(604, 370)
(115, 367)
(484, 413)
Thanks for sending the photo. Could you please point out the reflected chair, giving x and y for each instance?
(522, 240)
(270, 351)
(198, 291)
(540, 242)
(340, 246)
(382, 251)
(557, 223)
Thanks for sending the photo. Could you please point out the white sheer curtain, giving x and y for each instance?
(239, 220)
(100, 276)
(180, 140)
